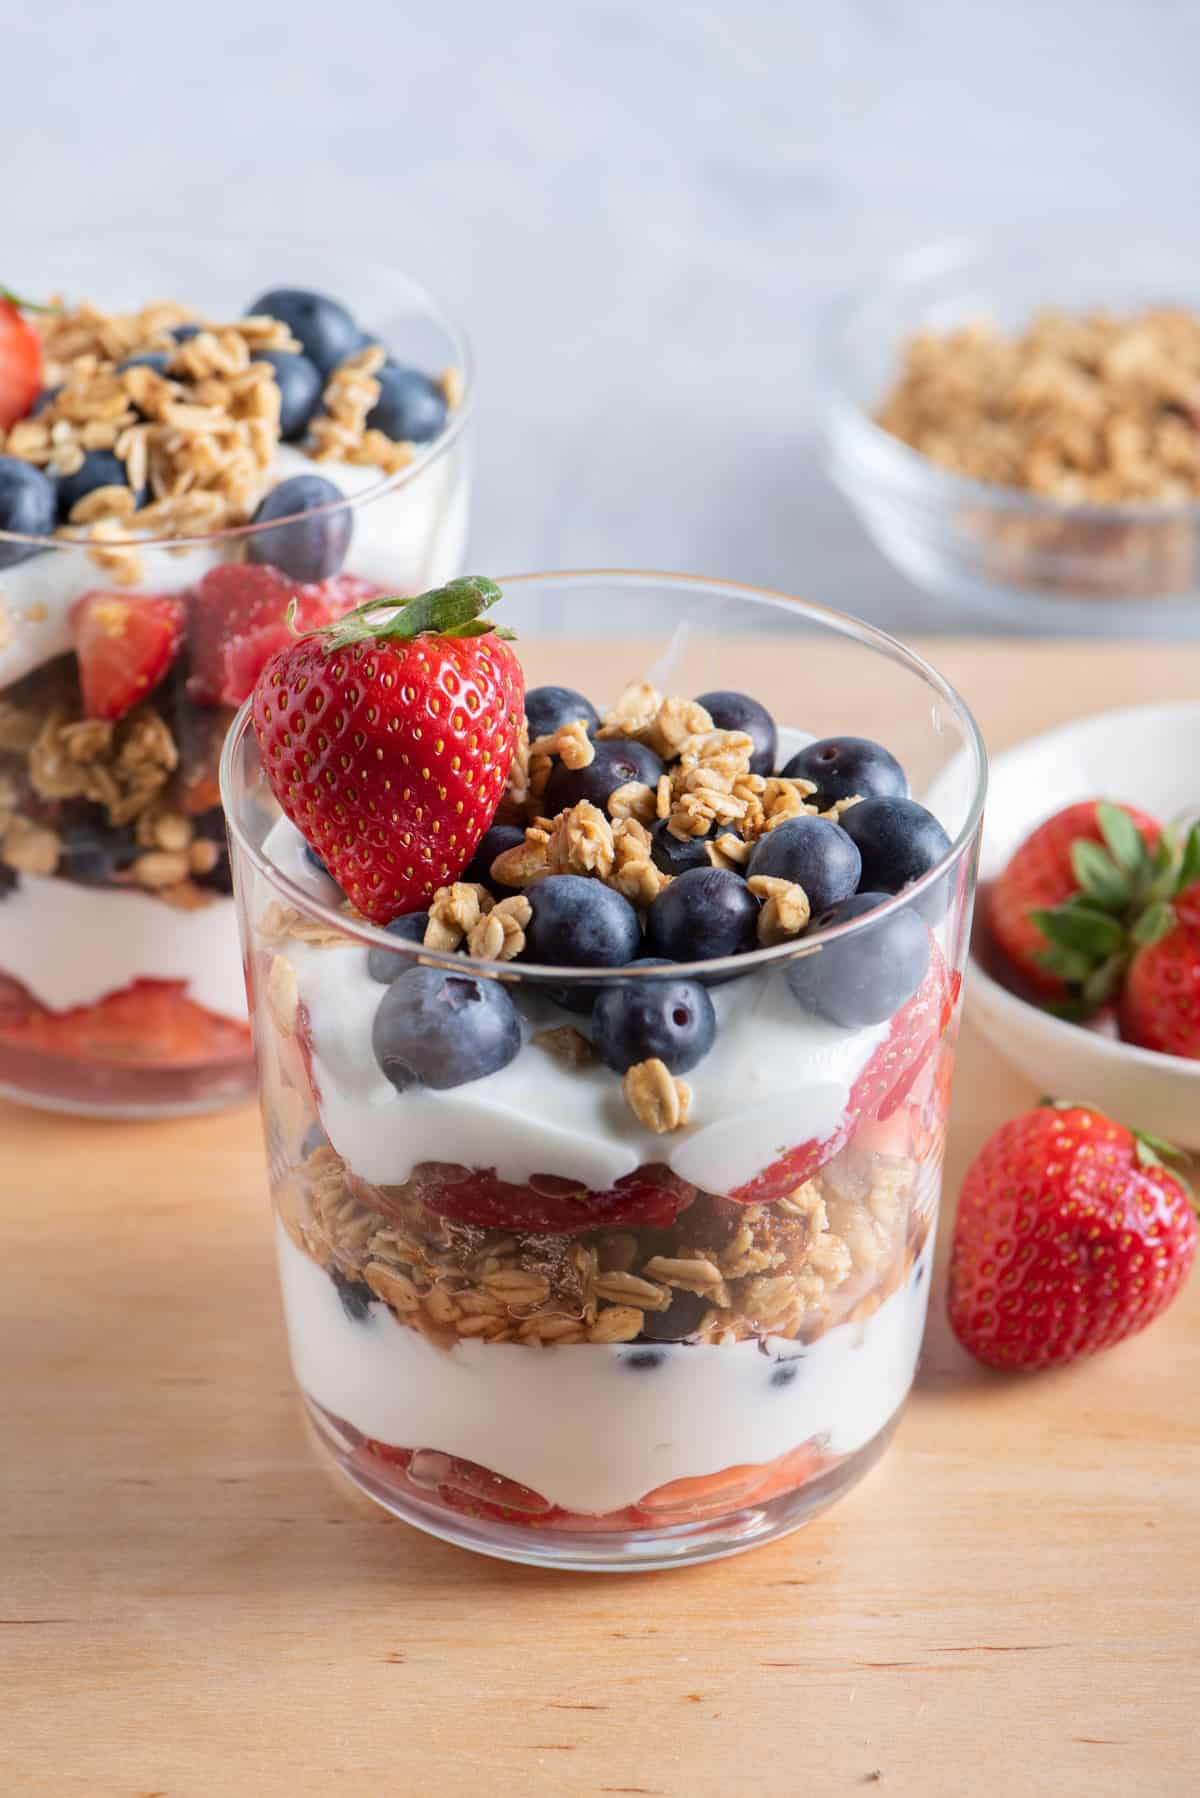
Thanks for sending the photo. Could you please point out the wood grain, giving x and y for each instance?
(191, 1607)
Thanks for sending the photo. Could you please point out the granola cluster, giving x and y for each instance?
(831, 1251)
(1084, 408)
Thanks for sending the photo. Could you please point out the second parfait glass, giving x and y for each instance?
(557, 1320)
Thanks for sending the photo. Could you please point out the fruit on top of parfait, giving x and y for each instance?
(438, 1028)
(739, 711)
(28, 508)
(238, 619)
(20, 362)
(492, 843)
(846, 768)
(672, 1020)
(1159, 1006)
(814, 853)
(99, 468)
(385, 967)
(1071, 1234)
(158, 360)
(387, 738)
(410, 409)
(1079, 894)
(311, 541)
(617, 761)
(125, 644)
(323, 328)
(300, 385)
(864, 978)
(675, 855)
(899, 841)
(578, 923)
(703, 915)
(546, 708)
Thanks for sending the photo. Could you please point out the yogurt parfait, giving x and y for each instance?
(605, 1032)
(182, 483)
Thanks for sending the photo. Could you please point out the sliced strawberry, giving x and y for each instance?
(651, 1197)
(151, 1023)
(20, 363)
(125, 642)
(239, 619)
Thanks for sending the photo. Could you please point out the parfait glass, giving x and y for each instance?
(538, 1319)
(121, 981)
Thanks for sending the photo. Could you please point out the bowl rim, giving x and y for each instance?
(1061, 1030)
(910, 468)
(844, 624)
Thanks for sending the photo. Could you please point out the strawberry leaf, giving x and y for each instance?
(1099, 876)
(1080, 928)
(444, 611)
(1069, 964)
(1189, 867)
(14, 299)
(1153, 924)
(1102, 983)
(1122, 836)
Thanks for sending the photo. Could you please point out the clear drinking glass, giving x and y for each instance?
(524, 1319)
(121, 983)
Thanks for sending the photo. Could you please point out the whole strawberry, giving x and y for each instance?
(1094, 857)
(1071, 1234)
(387, 739)
(1160, 1001)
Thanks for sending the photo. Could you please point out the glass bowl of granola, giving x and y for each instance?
(178, 478)
(1018, 427)
(605, 1173)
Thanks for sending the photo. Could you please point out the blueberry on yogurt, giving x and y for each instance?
(617, 761)
(675, 855)
(324, 329)
(438, 1028)
(547, 708)
(671, 1020)
(863, 978)
(848, 767)
(898, 841)
(27, 508)
(813, 853)
(703, 915)
(737, 711)
(577, 923)
(308, 548)
(384, 967)
(299, 382)
(410, 409)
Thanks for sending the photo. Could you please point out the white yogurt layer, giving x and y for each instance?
(775, 1077)
(409, 538)
(71, 945)
(583, 1423)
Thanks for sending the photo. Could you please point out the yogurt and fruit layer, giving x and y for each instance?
(133, 448)
(625, 1242)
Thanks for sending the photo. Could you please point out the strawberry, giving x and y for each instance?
(149, 1024)
(239, 619)
(885, 1082)
(387, 739)
(1159, 1006)
(1064, 865)
(20, 361)
(1071, 1234)
(650, 1198)
(125, 643)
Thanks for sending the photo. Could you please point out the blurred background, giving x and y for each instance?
(640, 209)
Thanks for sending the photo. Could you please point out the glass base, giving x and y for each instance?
(92, 1089)
(601, 1551)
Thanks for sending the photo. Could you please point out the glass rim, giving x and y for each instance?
(844, 624)
(898, 460)
(428, 454)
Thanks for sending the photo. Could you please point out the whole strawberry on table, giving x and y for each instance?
(1097, 914)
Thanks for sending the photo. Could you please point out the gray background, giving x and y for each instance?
(640, 209)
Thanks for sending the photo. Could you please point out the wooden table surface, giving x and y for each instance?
(191, 1607)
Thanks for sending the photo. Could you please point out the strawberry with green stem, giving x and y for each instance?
(387, 738)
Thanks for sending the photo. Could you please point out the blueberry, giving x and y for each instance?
(155, 359)
(44, 401)
(675, 855)
(307, 549)
(816, 854)
(705, 913)
(185, 333)
(681, 1319)
(356, 1295)
(440, 1029)
(211, 826)
(299, 382)
(492, 843)
(8, 880)
(314, 1138)
(324, 330)
(410, 409)
(314, 861)
(643, 1360)
(410, 929)
(582, 999)
(841, 767)
(99, 468)
(863, 978)
(671, 1019)
(784, 1372)
(737, 711)
(548, 707)
(617, 760)
(27, 507)
(578, 923)
(898, 841)
(91, 849)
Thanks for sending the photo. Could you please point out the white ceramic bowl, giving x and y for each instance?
(1147, 756)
